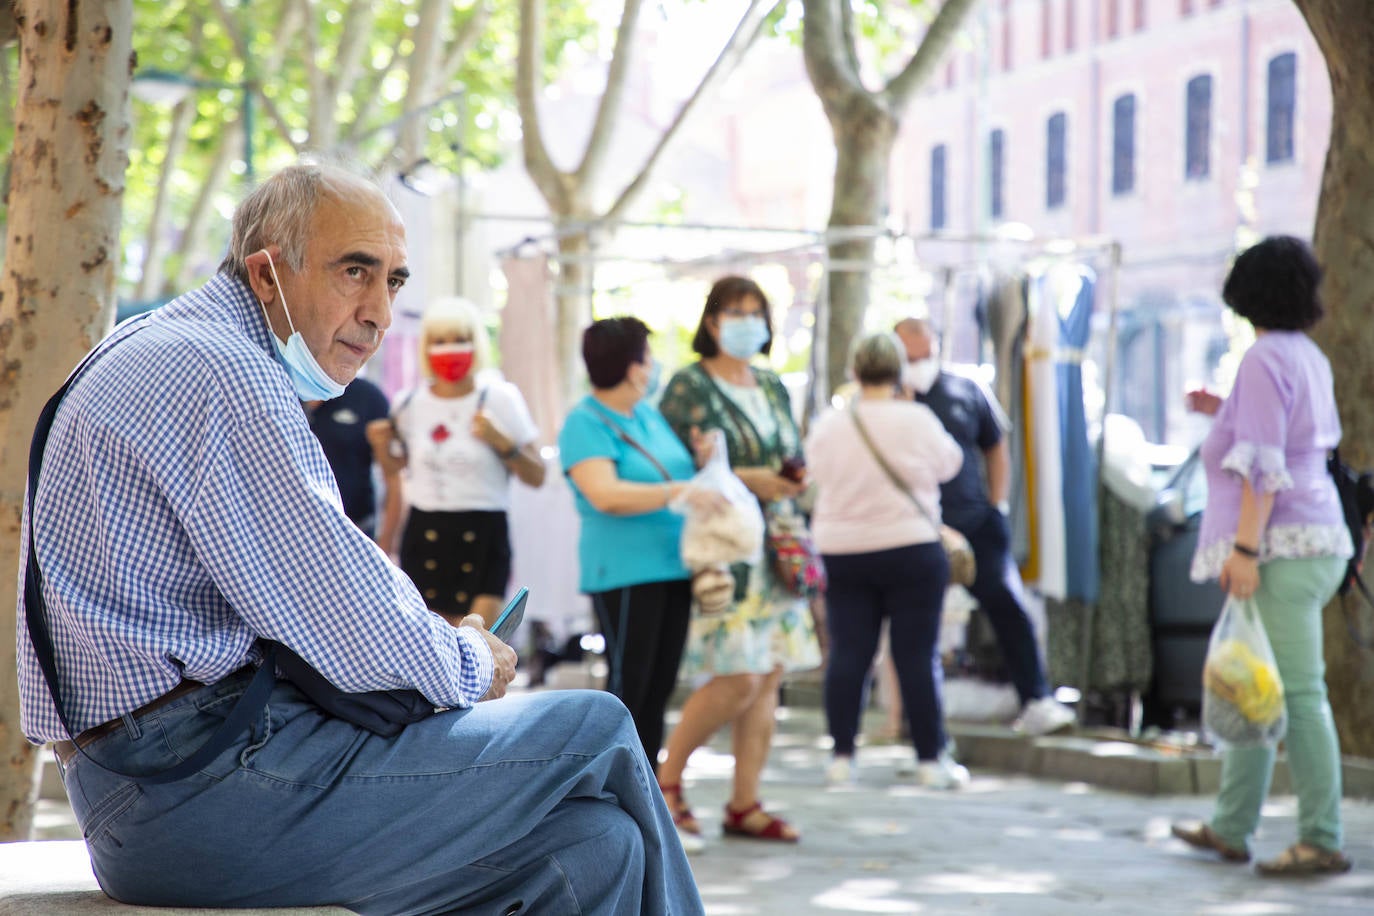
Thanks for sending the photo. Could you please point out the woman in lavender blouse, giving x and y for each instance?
(1273, 530)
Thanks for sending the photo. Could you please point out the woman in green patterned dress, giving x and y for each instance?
(767, 631)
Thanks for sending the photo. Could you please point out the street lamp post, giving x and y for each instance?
(166, 87)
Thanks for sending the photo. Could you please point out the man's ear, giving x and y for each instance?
(260, 273)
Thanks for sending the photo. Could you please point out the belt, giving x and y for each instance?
(66, 750)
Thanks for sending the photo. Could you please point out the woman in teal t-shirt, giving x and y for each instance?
(626, 465)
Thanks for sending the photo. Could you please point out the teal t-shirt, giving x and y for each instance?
(620, 550)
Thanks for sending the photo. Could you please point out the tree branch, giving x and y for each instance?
(352, 45)
(828, 62)
(241, 48)
(743, 38)
(937, 39)
(421, 68)
(608, 110)
(528, 81)
(467, 36)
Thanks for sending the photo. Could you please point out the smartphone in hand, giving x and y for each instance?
(511, 616)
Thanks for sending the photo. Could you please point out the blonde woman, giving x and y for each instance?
(877, 465)
(449, 450)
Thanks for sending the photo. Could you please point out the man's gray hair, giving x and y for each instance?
(281, 210)
(878, 359)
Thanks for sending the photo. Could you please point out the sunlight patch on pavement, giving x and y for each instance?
(1001, 881)
(1249, 908)
(865, 895)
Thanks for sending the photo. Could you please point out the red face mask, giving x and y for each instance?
(450, 362)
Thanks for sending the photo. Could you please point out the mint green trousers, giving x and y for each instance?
(1291, 596)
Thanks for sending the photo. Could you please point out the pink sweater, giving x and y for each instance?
(858, 507)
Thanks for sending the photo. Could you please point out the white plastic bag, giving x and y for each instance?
(720, 534)
(1242, 694)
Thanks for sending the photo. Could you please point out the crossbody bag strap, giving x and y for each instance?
(887, 468)
(629, 440)
(249, 704)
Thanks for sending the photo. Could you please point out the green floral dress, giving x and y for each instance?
(767, 627)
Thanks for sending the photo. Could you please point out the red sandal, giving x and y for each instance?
(682, 815)
(775, 828)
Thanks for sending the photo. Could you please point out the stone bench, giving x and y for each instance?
(53, 878)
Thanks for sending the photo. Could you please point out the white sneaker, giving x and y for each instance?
(1044, 716)
(840, 772)
(941, 773)
(691, 843)
(906, 766)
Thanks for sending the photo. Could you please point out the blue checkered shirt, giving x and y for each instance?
(184, 510)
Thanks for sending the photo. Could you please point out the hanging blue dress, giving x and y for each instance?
(1076, 454)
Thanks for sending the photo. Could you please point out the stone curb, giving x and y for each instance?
(1117, 762)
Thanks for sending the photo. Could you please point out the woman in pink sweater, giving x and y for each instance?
(878, 464)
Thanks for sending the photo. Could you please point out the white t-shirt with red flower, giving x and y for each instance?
(448, 469)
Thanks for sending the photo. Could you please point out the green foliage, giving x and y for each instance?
(463, 121)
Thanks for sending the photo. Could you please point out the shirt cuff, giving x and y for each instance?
(474, 680)
(1265, 466)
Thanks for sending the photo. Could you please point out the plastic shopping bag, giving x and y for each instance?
(1242, 695)
(718, 533)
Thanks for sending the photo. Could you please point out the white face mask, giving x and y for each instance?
(921, 375)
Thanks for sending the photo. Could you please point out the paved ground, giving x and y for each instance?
(1007, 844)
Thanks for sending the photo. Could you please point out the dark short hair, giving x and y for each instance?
(610, 345)
(725, 293)
(1274, 285)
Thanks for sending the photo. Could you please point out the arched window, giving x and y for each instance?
(1056, 137)
(937, 187)
(1123, 144)
(1283, 78)
(1197, 153)
(997, 141)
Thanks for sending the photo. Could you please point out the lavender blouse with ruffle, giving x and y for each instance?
(1275, 430)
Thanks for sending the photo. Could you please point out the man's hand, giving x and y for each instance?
(503, 658)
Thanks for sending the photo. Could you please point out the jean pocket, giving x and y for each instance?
(98, 827)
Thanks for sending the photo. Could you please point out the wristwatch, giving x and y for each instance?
(509, 455)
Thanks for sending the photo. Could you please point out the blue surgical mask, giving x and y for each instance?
(655, 379)
(743, 337)
(310, 381)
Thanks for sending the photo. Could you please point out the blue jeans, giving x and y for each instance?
(905, 585)
(540, 803)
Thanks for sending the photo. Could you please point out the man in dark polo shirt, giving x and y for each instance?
(975, 503)
(339, 425)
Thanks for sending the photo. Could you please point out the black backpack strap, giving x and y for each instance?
(240, 717)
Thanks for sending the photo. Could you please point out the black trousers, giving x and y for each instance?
(645, 627)
(1000, 594)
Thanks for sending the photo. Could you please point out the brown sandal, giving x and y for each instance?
(773, 828)
(1204, 837)
(682, 815)
(1305, 859)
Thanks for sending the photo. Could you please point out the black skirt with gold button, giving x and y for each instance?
(452, 557)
